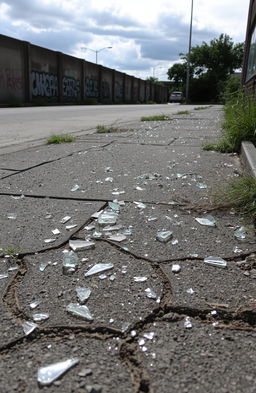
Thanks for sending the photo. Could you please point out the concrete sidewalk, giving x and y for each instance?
(146, 328)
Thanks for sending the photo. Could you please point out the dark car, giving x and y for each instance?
(176, 96)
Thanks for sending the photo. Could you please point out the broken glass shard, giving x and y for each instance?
(113, 228)
(97, 235)
(109, 179)
(40, 317)
(117, 238)
(79, 311)
(149, 336)
(4, 275)
(69, 227)
(240, 233)
(140, 279)
(65, 219)
(56, 231)
(127, 232)
(43, 265)
(175, 241)
(83, 294)
(150, 293)
(125, 326)
(18, 197)
(176, 268)
(90, 227)
(207, 221)
(75, 188)
(12, 268)
(164, 236)
(12, 216)
(70, 262)
(98, 268)
(114, 206)
(139, 188)
(215, 261)
(151, 218)
(188, 323)
(108, 218)
(49, 240)
(201, 185)
(96, 214)
(102, 276)
(182, 175)
(190, 291)
(140, 205)
(141, 342)
(133, 333)
(48, 374)
(34, 304)
(112, 277)
(29, 327)
(81, 244)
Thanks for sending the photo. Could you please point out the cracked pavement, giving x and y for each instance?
(136, 340)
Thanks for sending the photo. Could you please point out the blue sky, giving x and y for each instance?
(146, 36)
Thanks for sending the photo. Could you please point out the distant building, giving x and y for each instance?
(249, 64)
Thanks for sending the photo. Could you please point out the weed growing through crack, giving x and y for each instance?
(102, 129)
(182, 113)
(240, 194)
(200, 108)
(155, 118)
(60, 139)
(239, 125)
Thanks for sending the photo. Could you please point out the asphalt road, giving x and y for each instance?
(25, 127)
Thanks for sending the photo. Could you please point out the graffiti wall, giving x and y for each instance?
(30, 73)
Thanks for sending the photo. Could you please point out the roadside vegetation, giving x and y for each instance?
(239, 124)
(155, 118)
(240, 194)
(200, 108)
(182, 113)
(60, 139)
(102, 129)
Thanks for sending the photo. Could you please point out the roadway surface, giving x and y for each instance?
(25, 127)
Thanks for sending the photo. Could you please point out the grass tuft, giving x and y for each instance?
(240, 194)
(102, 129)
(200, 108)
(155, 118)
(60, 139)
(182, 113)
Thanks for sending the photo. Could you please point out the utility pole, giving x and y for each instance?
(189, 50)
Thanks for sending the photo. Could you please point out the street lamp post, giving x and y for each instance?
(189, 50)
(97, 51)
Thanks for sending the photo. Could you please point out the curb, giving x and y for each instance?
(248, 158)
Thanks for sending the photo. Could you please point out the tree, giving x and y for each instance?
(211, 65)
(152, 79)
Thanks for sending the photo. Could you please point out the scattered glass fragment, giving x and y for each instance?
(40, 317)
(214, 312)
(65, 219)
(149, 336)
(97, 235)
(18, 197)
(117, 238)
(141, 342)
(48, 374)
(109, 179)
(83, 294)
(201, 185)
(98, 268)
(69, 227)
(56, 231)
(174, 242)
(181, 175)
(207, 221)
(49, 240)
(237, 250)
(190, 291)
(215, 261)
(29, 327)
(89, 227)
(43, 265)
(140, 205)
(107, 218)
(70, 262)
(4, 275)
(176, 268)
(12, 216)
(96, 214)
(118, 192)
(81, 244)
(140, 279)
(80, 311)
(108, 169)
(188, 323)
(164, 236)
(151, 218)
(12, 268)
(102, 276)
(144, 349)
(240, 233)
(193, 255)
(75, 188)
(139, 188)
(112, 228)
(48, 216)
(34, 304)
(111, 320)
(125, 326)
(133, 333)
(112, 277)
(114, 206)
(150, 293)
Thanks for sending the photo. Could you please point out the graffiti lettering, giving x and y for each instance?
(11, 78)
(44, 85)
(91, 88)
(105, 89)
(71, 87)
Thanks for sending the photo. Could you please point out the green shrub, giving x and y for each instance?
(60, 139)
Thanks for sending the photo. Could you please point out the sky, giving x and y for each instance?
(145, 36)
